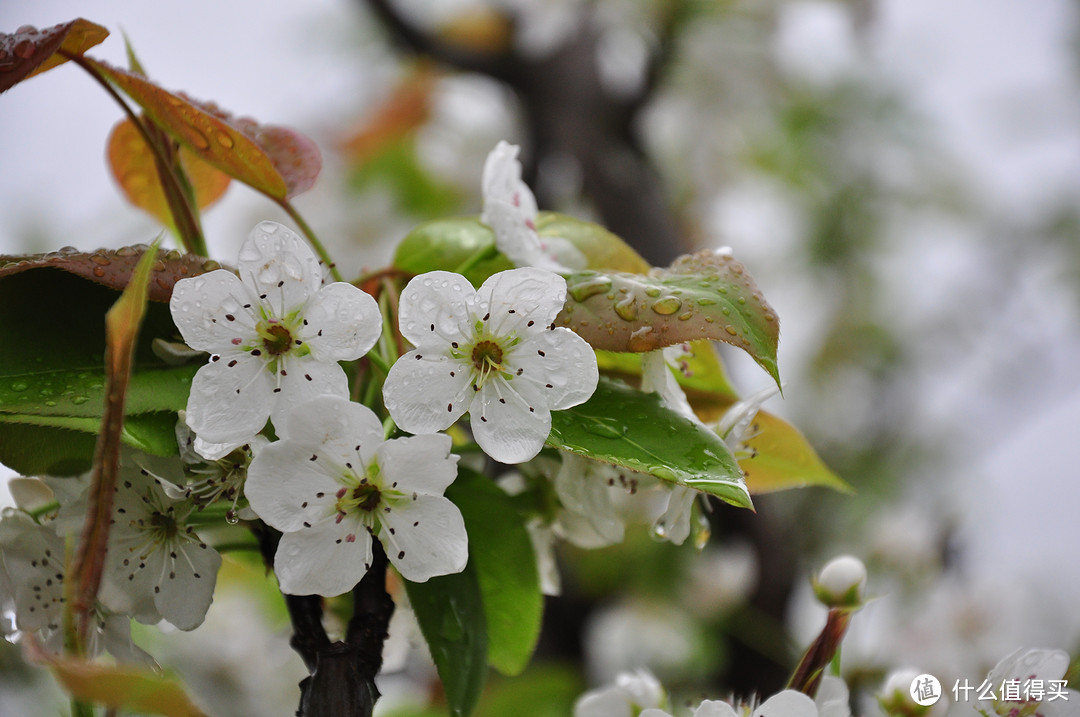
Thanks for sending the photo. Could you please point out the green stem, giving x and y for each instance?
(187, 220)
(477, 256)
(43, 510)
(311, 237)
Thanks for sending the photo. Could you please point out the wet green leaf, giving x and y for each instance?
(447, 244)
(782, 459)
(501, 552)
(450, 610)
(625, 427)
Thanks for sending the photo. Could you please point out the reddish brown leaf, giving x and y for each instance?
(114, 268)
(209, 137)
(295, 156)
(29, 51)
(133, 168)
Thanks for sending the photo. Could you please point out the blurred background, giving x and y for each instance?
(901, 177)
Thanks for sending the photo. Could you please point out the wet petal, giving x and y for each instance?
(425, 537)
(279, 267)
(210, 311)
(419, 463)
(788, 703)
(184, 591)
(434, 308)
(301, 380)
(561, 363)
(335, 425)
(521, 301)
(230, 399)
(508, 427)
(714, 708)
(286, 488)
(428, 394)
(322, 560)
(341, 323)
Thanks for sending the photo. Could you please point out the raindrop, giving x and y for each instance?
(25, 49)
(50, 403)
(686, 315)
(606, 428)
(599, 284)
(653, 292)
(731, 330)
(224, 140)
(19, 386)
(197, 138)
(706, 302)
(667, 305)
(627, 308)
(79, 400)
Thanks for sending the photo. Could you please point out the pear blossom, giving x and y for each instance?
(631, 693)
(494, 352)
(589, 518)
(166, 570)
(1030, 682)
(274, 336)
(332, 482)
(510, 210)
(32, 565)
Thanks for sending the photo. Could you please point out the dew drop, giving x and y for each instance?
(731, 330)
(25, 49)
(197, 138)
(50, 403)
(686, 315)
(627, 308)
(652, 292)
(596, 285)
(224, 140)
(19, 386)
(667, 305)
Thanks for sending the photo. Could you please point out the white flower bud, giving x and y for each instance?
(895, 697)
(840, 583)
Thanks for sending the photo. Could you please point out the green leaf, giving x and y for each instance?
(52, 377)
(603, 249)
(625, 427)
(547, 691)
(450, 610)
(501, 552)
(28, 52)
(707, 295)
(447, 244)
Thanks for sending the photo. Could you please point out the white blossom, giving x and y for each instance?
(510, 210)
(631, 693)
(1025, 668)
(32, 561)
(274, 336)
(589, 518)
(332, 482)
(495, 353)
(155, 557)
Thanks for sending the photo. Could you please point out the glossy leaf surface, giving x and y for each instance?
(625, 427)
(29, 51)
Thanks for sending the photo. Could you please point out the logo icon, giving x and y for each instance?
(925, 690)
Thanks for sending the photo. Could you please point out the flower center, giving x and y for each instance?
(162, 526)
(487, 356)
(365, 496)
(276, 337)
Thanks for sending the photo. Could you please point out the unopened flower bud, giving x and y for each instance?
(895, 697)
(840, 583)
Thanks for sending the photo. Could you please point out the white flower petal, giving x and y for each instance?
(657, 377)
(230, 399)
(436, 306)
(302, 380)
(341, 323)
(714, 708)
(517, 297)
(336, 425)
(674, 524)
(502, 182)
(425, 537)
(419, 463)
(427, 395)
(510, 428)
(559, 362)
(200, 305)
(605, 702)
(279, 267)
(318, 561)
(286, 488)
(186, 589)
(788, 703)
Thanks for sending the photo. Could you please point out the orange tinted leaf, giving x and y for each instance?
(130, 688)
(783, 459)
(114, 268)
(29, 51)
(209, 137)
(406, 109)
(133, 168)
